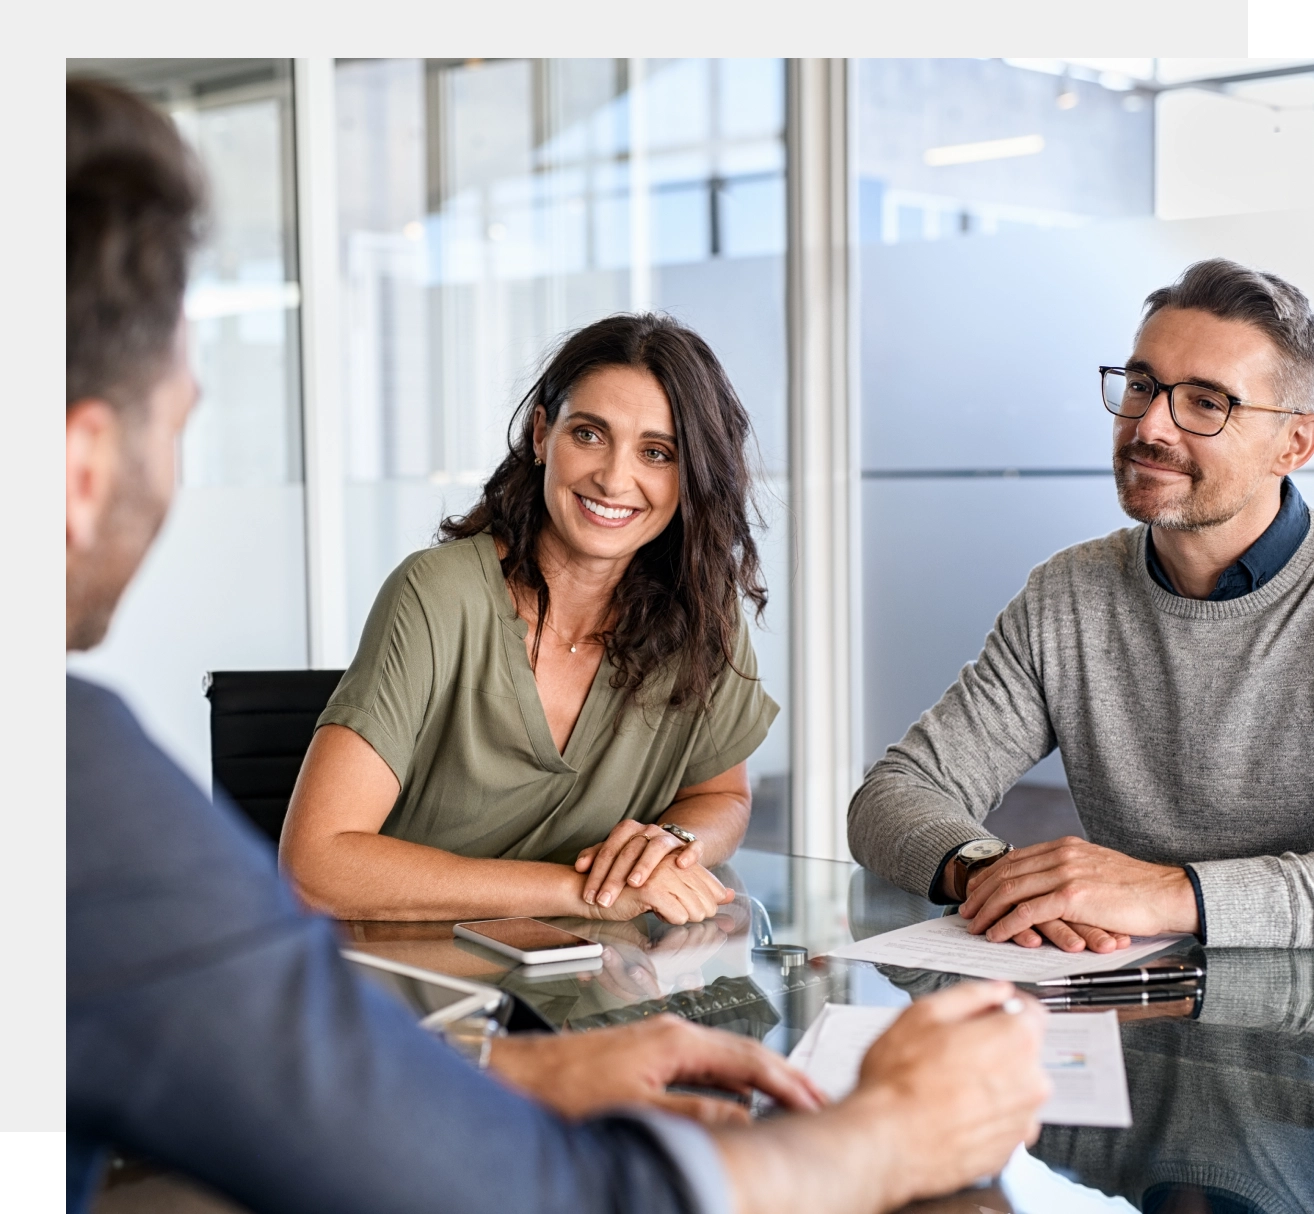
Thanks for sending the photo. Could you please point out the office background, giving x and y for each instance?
(910, 267)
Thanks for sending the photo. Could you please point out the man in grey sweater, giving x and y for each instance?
(1171, 663)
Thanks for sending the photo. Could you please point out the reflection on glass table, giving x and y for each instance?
(1222, 1088)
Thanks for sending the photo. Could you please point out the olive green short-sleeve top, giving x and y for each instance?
(442, 689)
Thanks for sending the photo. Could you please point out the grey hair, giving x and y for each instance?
(1279, 310)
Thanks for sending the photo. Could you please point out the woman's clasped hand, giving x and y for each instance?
(641, 868)
(627, 856)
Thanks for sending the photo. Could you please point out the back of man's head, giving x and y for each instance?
(135, 201)
(134, 205)
(1278, 309)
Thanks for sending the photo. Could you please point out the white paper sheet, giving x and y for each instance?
(832, 1049)
(1081, 1053)
(802, 1052)
(1032, 1188)
(946, 944)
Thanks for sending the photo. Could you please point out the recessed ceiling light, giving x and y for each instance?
(987, 149)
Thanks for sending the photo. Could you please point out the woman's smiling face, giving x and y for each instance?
(611, 481)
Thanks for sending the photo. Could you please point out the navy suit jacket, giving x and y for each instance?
(213, 1028)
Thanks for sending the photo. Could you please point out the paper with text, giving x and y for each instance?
(1081, 1053)
(946, 944)
(831, 1051)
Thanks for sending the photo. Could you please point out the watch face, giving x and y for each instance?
(983, 849)
(680, 833)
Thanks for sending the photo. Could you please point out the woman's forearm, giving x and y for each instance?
(718, 819)
(333, 853)
(355, 875)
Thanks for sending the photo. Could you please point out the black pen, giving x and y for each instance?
(1119, 998)
(1146, 974)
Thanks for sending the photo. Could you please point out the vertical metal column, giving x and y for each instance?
(640, 205)
(321, 361)
(824, 472)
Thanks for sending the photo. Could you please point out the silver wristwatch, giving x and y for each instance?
(979, 853)
(685, 836)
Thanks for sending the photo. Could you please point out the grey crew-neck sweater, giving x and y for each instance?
(1186, 729)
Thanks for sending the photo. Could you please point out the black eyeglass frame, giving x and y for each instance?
(1233, 402)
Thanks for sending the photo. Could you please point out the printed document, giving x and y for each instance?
(1081, 1053)
(1032, 1188)
(946, 944)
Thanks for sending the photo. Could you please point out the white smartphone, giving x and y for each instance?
(436, 999)
(529, 941)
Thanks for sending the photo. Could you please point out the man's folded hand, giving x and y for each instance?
(1079, 896)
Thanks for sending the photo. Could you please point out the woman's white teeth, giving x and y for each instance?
(606, 511)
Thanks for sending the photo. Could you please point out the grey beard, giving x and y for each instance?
(1180, 516)
(1199, 510)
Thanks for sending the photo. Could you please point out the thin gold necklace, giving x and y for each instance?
(581, 641)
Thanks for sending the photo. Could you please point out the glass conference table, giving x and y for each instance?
(1222, 1088)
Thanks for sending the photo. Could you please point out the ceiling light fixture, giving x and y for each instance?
(987, 149)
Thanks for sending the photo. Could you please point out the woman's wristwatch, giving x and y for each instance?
(685, 836)
(979, 853)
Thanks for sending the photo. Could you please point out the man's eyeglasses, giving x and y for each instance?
(1194, 408)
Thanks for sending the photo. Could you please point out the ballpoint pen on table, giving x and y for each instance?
(1130, 977)
(1158, 994)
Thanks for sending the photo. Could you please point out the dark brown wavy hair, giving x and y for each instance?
(679, 599)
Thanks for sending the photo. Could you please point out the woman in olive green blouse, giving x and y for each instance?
(537, 698)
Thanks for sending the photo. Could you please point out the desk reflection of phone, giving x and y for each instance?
(560, 969)
(529, 941)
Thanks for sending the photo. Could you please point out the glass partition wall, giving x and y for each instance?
(488, 208)
(1013, 217)
(225, 585)
(1006, 219)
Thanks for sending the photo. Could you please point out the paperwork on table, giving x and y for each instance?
(1033, 1188)
(946, 944)
(1081, 1053)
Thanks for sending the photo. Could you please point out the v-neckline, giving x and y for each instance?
(514, 631)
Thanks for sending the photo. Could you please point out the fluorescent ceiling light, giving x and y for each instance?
(987, 149)
(1089, 69)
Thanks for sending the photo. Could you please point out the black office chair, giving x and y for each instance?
(261, 722)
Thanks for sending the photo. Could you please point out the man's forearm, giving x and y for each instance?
(902, 830)
(1258, 902)
(933, 788)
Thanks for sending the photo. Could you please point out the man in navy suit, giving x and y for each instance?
(212, 1025)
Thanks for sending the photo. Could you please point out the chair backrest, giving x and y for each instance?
(261, 722)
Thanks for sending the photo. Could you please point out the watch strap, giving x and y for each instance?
(960, 870)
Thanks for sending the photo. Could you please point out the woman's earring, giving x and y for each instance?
(538, 463)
